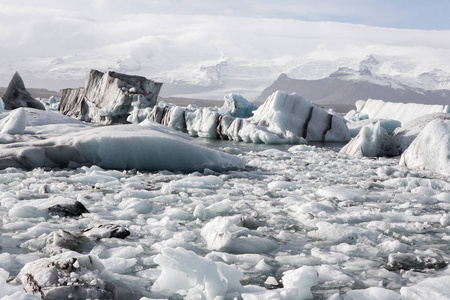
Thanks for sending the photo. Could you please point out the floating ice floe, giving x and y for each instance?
(108, 98)
(372, 141)
(282, 119)
(372, 293)
(228, 234)
(195, 277)
(297, 285)
(406, 134)
(68, 275)
(430, 288)
(431, 149)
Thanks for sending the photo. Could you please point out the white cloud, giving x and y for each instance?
(105, 34)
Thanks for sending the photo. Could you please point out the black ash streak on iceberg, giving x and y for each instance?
(109, 97)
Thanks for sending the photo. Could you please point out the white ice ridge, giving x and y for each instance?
(282, 119)
(403, 112)
(62, 144)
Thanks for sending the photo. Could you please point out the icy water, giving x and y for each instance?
(301, 206)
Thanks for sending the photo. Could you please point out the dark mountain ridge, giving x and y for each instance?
(341, 95)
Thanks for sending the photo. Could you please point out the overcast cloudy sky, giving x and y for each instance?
(62, 39)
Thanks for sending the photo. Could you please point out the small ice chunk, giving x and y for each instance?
(445, 220)
(228, 234)
(282, 185)
(16, 122)
(271, 281)
(412, 261)
(302, 280)
(183, 270)
(431, 288)
(372, 293)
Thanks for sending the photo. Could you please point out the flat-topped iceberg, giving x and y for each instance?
(403, 112)
(148, 146)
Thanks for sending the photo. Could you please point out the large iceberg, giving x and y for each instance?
(431, 149)
(406, 134)
(375, 137)
(403, 112)
(16, 95)
(108, 98)
(283, 119)
(147, 146)
(290, 114)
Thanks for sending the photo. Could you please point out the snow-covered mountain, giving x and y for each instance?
(390, 79)
(399, 73)
(215, 78)
(333, 81)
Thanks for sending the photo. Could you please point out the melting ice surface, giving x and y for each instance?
(299, 222)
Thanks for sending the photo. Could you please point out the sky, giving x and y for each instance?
(53, 43)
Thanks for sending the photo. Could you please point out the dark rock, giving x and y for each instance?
(66, 278)
(68, 210)
(16, 95)
(411, 261)
(250, 222)
(109, 98)
(107, 231)
(61, 241)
